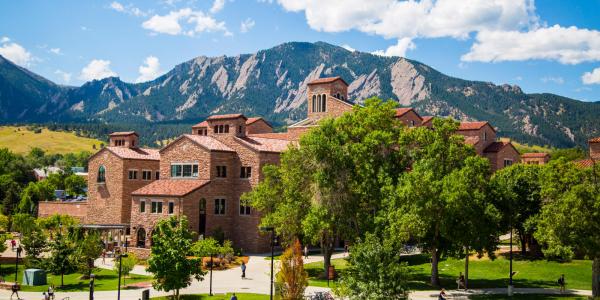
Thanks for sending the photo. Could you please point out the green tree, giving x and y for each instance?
(9, 193)
(374, 271)
(570, 219)
(291, 279)
(88, 249)
(423, 203)
(24, 223)
(473, 217)
(75, 185)
(206, 247)
(33, 193)
(330, 185)
(171, 268)
(62, 260)
(516, 191)
(127, 264)
(35, 243)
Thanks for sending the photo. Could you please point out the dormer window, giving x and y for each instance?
(101, 175)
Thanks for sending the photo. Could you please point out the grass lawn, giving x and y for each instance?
(484, 273)
(527, 297)
(20, 140)
(106, 280)
(241, 296)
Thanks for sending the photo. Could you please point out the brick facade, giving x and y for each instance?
(594, 148)
(535, 158)
(74, 209)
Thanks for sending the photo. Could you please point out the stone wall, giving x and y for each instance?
(78, 210)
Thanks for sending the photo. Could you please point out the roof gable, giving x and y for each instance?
(206, 142)
(327, 80)
(474, 125)
(170, 187)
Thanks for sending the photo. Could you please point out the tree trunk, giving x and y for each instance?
(435, 276)
(466, 267)
(523, 240)
(596, 277)
(327, 252)
(177, 294)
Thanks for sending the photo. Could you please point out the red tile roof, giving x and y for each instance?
(204, 141)
(135, 153)
(471, 125)
(594, 140)
(201, 124)
(171, 187)
(254, 119)
(226, 117)
(327, 80)
(265, 144)
(273, 135)
(427, 119)
(123, 133)
(402, 110)
(585, 163)
(496, 146)
(535, 155)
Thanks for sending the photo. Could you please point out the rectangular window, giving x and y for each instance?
(221, 171)
(132, 174)
(244, 209)
(142, 206)
(226, 128)
(157, 175)
(508, 162)
(147, 175)
(184, 170)
(157, 207)
(219, 206)
(171, 207)
(246, 172)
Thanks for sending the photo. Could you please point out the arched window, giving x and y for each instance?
(101, 175)
(141, 238)
(318, 103)
(324, 103)
(314, 103)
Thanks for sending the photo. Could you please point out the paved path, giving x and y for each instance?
(226, 281)
(455, 294)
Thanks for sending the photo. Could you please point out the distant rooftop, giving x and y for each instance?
(327, 80)
(123, 133)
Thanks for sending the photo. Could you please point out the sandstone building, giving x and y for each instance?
(203, 174)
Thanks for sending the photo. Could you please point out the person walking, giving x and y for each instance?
(233, 297)
(305, 251)
(460, 282)
(103, 256)
(45, 296)
(562, 283)
(13, 244)
(51, 292)
(243, 270)
(15, 291)
(442, 295)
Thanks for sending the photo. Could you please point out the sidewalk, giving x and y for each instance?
(456, 294)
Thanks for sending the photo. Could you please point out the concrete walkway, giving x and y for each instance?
(226, 281)
(456, 294)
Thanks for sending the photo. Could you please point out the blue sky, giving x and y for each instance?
(542, 46)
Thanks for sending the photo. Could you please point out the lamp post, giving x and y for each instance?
(510, 275)
(119, 285)
(19, 249)
(272, 230)
(211, 268)
(92, 276)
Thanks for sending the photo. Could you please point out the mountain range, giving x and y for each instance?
(272, 83)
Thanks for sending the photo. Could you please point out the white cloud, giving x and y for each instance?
(66, 77)
(217, 6)
(15, 53)
(412, 19)
(246, 25)
(399, 49)
(96, 69)
(553, 79)
(56, 51)
(568, 45)
(4, 39)
(129, 9)
(149, 70)
(83, 28)
(196, 21)
(592, 77)
(348, 47)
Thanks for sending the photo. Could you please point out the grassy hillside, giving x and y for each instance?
(21, 140)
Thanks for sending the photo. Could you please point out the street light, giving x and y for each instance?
(120, 264)
(211, 268)
(92, 276)
(510, 275)
(272, 230)
(19, 249)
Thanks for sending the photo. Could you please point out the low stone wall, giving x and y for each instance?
(141, 253)
(74, 209)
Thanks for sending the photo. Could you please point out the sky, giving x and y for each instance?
(542, 46)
